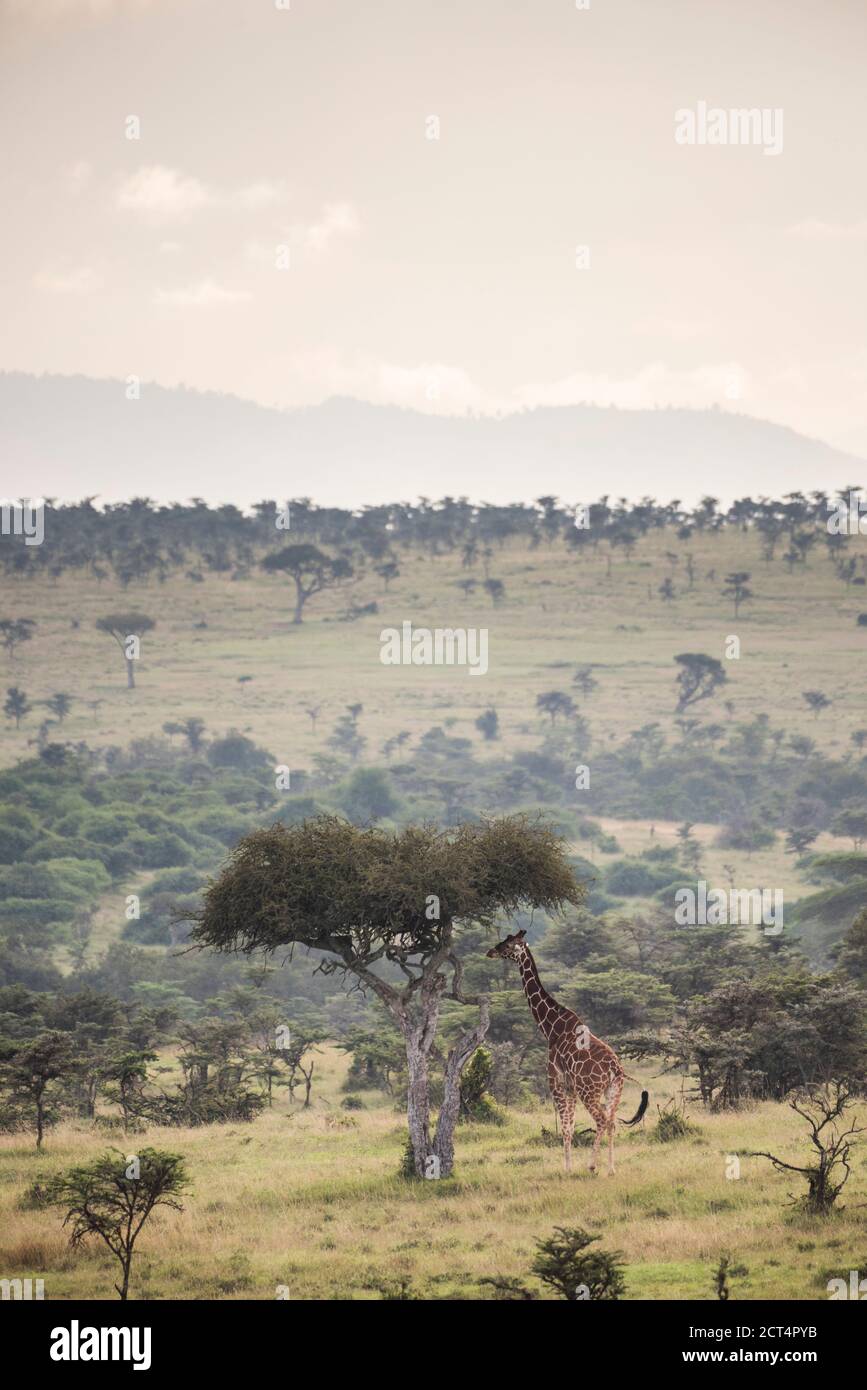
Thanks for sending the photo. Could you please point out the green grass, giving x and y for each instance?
(310, 1200)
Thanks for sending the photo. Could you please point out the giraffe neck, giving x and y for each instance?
(543, 1006)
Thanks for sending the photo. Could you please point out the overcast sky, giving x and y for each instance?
(440, 273)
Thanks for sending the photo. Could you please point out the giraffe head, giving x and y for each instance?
(512, 948)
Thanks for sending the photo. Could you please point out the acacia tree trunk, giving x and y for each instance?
(444, 1145)
(415, 1011)
(418, 1097)
(419, 1041)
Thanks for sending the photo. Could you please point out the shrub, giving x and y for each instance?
(673, 1123)
(565, 1265)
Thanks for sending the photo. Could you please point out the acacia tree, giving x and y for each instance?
(816, 701)
(831, 1131)
(737, 588)
(122, 627)
(556, 702)
(29, 1075)
(60, 704)
(383, 908)
(113, 1197)
(17, 705)
(14, 631)
(699, 677)
(310, 568)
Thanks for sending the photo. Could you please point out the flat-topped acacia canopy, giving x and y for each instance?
(361, 891)
(362, 895)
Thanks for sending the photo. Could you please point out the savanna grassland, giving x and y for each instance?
(310, 1200)
(560, 610)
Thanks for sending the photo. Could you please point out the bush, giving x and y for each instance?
(367, 795)
(236, 751)
(224, 825)
(564, 1266)
(476, 1104)
(673, 1123)
(162, 851)
(636, 877)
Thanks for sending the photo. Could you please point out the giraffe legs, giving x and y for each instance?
(612, 1101)
(599, 1118)
(565, 1105)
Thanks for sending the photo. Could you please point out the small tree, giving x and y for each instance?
(800, 838)
(126, 1072)
(476, 1103)
(298, 1055)
(724, 1271)
(313, 712)
(113, 1197)
(310, 569)
(29, 1074)
(193, 731)
(122, 627)
(585, 681)
(14, 631)
(60, 705)
(488, 725)
(816, 701)
(17, 705)
(736, 588)
(699, 678)
(852, 823)
(387, 572)
(824, 1109)
(564, 1266)
(495, 589)
(555, 703)
(852, 951)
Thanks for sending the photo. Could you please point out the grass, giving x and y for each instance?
(310, 1200)
(799, 633)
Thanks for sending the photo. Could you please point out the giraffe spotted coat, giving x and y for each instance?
(580, 1065)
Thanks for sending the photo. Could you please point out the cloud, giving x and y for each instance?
(813, 229)
(201, 296)
(336, 219)
(162, 195)
(165, 195)
(81, 280)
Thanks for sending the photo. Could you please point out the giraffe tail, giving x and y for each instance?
(645, 1097)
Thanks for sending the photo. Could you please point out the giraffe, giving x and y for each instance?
(580, 1066)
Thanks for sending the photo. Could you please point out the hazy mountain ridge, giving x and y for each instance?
(66, 436)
